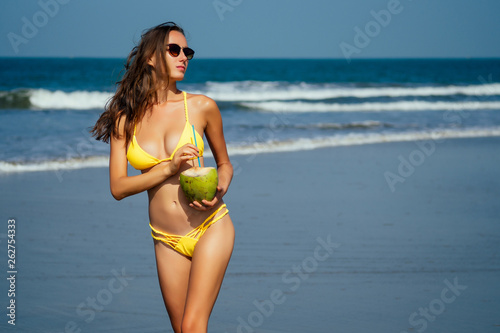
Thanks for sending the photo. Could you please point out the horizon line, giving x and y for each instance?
(258, 58)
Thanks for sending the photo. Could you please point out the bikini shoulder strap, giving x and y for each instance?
(185, 106)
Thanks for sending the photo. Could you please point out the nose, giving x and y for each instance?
(182, 56)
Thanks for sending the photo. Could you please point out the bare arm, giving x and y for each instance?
(215, 137)
(122, 185)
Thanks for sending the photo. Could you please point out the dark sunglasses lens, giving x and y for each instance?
(189, 53)
(174, 50)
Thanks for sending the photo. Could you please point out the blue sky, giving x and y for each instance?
(256, 28)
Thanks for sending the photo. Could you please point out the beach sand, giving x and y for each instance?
(323, 244)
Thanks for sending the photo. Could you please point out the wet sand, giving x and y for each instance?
(324, 243)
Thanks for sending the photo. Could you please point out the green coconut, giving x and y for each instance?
(199, 183)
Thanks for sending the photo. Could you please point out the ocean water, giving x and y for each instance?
(48, 105)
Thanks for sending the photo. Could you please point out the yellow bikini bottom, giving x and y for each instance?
(185, 244)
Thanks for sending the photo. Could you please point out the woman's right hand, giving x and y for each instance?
(183, 154)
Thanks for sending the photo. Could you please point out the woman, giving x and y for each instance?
(159, 130)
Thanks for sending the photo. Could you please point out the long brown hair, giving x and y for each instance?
(138, 90)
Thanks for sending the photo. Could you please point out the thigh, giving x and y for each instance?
(173, 275)
(209, 263)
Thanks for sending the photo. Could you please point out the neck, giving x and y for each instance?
(169, 93)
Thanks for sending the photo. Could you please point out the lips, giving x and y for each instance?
(182, 68)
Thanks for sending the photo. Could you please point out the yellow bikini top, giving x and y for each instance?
(141, 160)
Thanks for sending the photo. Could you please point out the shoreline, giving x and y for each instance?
(396, 249)
(297, 146)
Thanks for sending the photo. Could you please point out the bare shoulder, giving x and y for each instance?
(202, 103)
(120, 125)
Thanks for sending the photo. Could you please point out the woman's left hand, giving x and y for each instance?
(206, 205)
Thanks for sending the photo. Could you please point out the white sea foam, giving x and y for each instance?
(275, 146)
(371, 107)
(358, 124)
(76, 100)
(255, 91)
(265, 91)
(74, 163)
(358, 139)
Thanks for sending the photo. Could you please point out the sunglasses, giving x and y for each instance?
(175, 50)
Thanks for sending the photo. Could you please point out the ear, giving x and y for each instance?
(152, 60)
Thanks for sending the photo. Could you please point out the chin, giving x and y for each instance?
(178, 77)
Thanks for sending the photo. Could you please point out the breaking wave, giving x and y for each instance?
(43, 99)
(353, 139)
(240, 92)
(249, 91)
(371, 107)
(272, 146)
